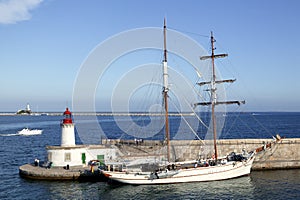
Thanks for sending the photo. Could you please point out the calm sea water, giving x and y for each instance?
(17, 150)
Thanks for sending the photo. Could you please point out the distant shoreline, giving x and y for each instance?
(97, 114)
(131, 113)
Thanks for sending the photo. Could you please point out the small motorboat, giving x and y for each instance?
(27, 131)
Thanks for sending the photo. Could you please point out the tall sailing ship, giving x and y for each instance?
(215, 168)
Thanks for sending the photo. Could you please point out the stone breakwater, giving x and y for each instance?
(282, 155)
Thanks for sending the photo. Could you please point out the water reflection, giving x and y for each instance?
(71, 190)
(282, 184)
(228, 189)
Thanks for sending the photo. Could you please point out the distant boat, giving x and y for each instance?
(27, 131)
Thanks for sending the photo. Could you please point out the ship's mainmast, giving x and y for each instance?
(213, 90)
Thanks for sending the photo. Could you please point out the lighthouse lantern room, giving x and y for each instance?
(67, 130)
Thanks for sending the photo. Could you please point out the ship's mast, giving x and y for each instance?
(213, 95)
(213, 90)
(165, 91)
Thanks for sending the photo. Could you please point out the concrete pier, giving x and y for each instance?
(59, 173)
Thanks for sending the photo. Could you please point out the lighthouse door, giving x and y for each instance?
(101, 159)
(83, 158)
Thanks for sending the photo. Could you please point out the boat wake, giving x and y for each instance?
(9, 134)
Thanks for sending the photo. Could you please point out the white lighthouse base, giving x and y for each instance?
(79, 155)
(67, 135)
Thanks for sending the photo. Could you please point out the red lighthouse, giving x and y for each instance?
(67, 130)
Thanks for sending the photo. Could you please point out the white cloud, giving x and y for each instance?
(12, 11)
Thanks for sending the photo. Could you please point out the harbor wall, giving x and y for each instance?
(282, 155)
(285, 154)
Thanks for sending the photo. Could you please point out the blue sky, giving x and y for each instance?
(44, 43)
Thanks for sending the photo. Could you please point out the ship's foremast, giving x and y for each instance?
(165, 91)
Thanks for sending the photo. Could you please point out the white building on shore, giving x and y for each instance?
(70, 154)
(26, 111)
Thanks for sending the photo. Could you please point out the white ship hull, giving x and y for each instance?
(232, 169)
